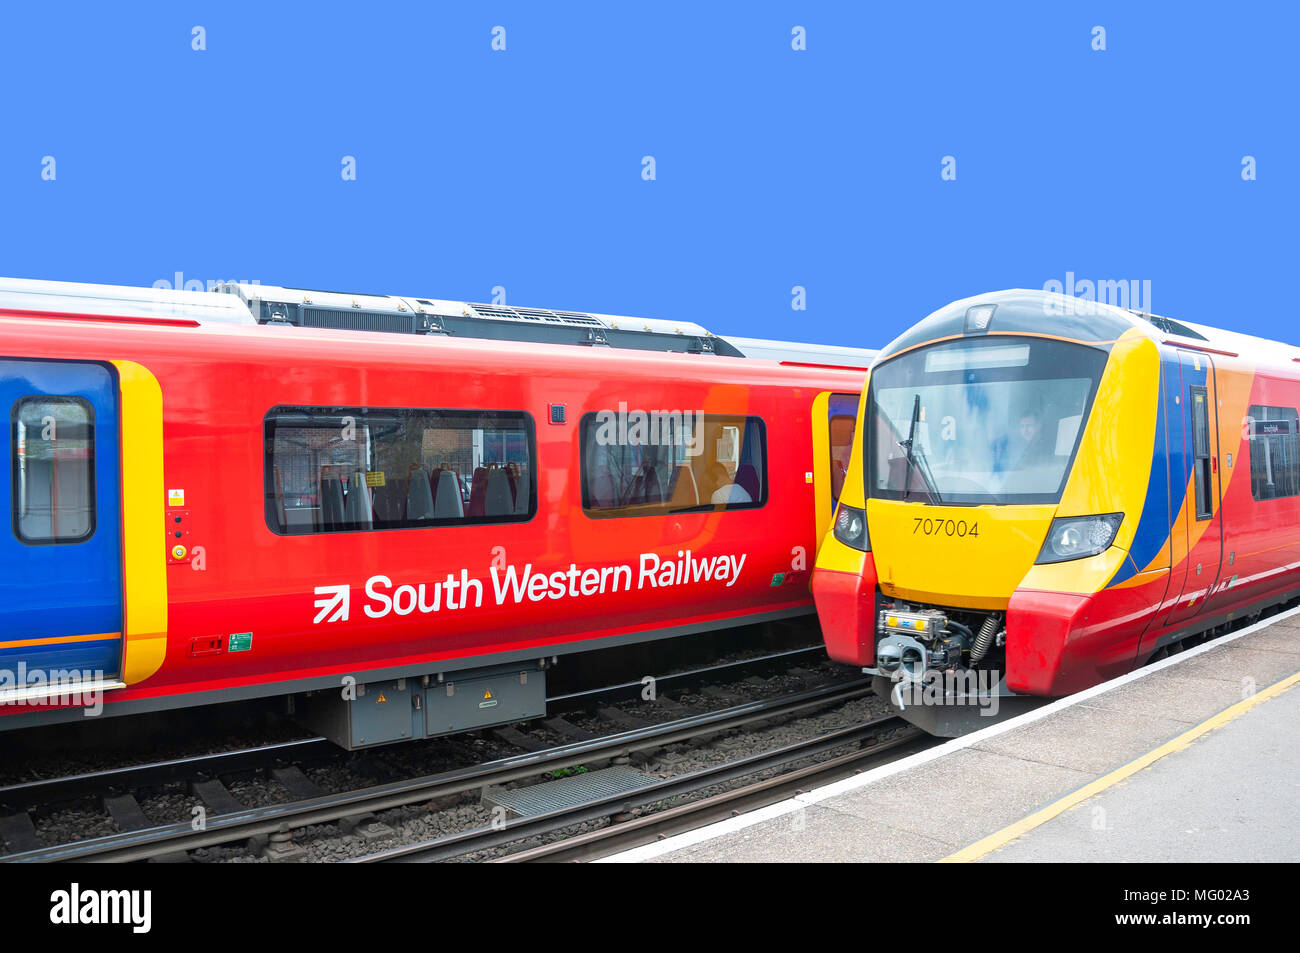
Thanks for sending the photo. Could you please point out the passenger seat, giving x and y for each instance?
(331, 503)
(419, 496)
(356, 509)
(447, 504)
(685, 492)
(498, 501)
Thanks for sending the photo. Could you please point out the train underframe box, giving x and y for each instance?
(387, 711)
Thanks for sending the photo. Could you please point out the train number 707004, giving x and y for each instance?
(933, 527)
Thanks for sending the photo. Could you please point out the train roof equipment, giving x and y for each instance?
(243, 303)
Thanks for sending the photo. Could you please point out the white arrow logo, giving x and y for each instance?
(338, 598)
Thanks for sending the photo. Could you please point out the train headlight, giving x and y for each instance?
(851, 528)
(1074, 537)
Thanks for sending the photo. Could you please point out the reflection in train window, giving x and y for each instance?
(335, 469)
(53, 476)
(648, 463)
(979, 421)
(1274, 452)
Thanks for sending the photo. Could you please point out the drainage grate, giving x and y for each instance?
(567, 792)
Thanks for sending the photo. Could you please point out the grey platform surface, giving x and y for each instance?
(1233, 794)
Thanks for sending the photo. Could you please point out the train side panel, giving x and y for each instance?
(270, 603)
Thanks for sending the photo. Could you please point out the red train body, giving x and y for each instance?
(250, 610)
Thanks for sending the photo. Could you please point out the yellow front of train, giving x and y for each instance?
(1003, 453)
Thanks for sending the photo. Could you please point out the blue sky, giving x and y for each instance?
(775, 168)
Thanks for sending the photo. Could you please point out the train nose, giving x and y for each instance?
(972, 557)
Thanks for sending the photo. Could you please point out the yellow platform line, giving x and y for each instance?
(1023, 826)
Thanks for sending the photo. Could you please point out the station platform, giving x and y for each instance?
(1189, 759)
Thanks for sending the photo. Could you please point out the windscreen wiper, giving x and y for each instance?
(916, 458)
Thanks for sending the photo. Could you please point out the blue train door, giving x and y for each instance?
(1202, 515)
(61, 556)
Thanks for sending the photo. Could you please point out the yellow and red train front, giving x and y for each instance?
(1053, 475)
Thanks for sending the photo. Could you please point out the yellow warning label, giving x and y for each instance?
(381, 699)
(376, 478)
(175, 497)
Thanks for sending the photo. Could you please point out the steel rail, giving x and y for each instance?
(222, 829)
(678, 679)
(686, 817)
(70, 787)
(486, 838)
(42, 791)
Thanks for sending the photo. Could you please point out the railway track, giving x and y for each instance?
(107, 782)
(634, 831)
(276, 822)
(97, 783)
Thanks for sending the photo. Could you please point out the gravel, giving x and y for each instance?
(174, 803)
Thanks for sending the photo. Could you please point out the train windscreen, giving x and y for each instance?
(996, 420)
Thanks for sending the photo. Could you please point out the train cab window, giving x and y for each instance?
(1274, 435)
(652, 463)
(979, 420)
(53, 469)
(339, 469)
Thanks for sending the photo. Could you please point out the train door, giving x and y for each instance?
(1201, 512)
(834, 419)
(61, 558)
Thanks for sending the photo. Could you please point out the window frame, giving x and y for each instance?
(360, 413)
(587, 420)
(1293, 421)
(830, 449)
(1202, 468)
(1060, 351)
(92, 460)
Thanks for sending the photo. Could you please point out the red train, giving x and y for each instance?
(395, 509)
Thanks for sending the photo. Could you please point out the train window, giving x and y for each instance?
(843, 409)
(1201, 466)
(339, 469)
(651, 463)
(1274, 435)
(53, 469)
(978, 421)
